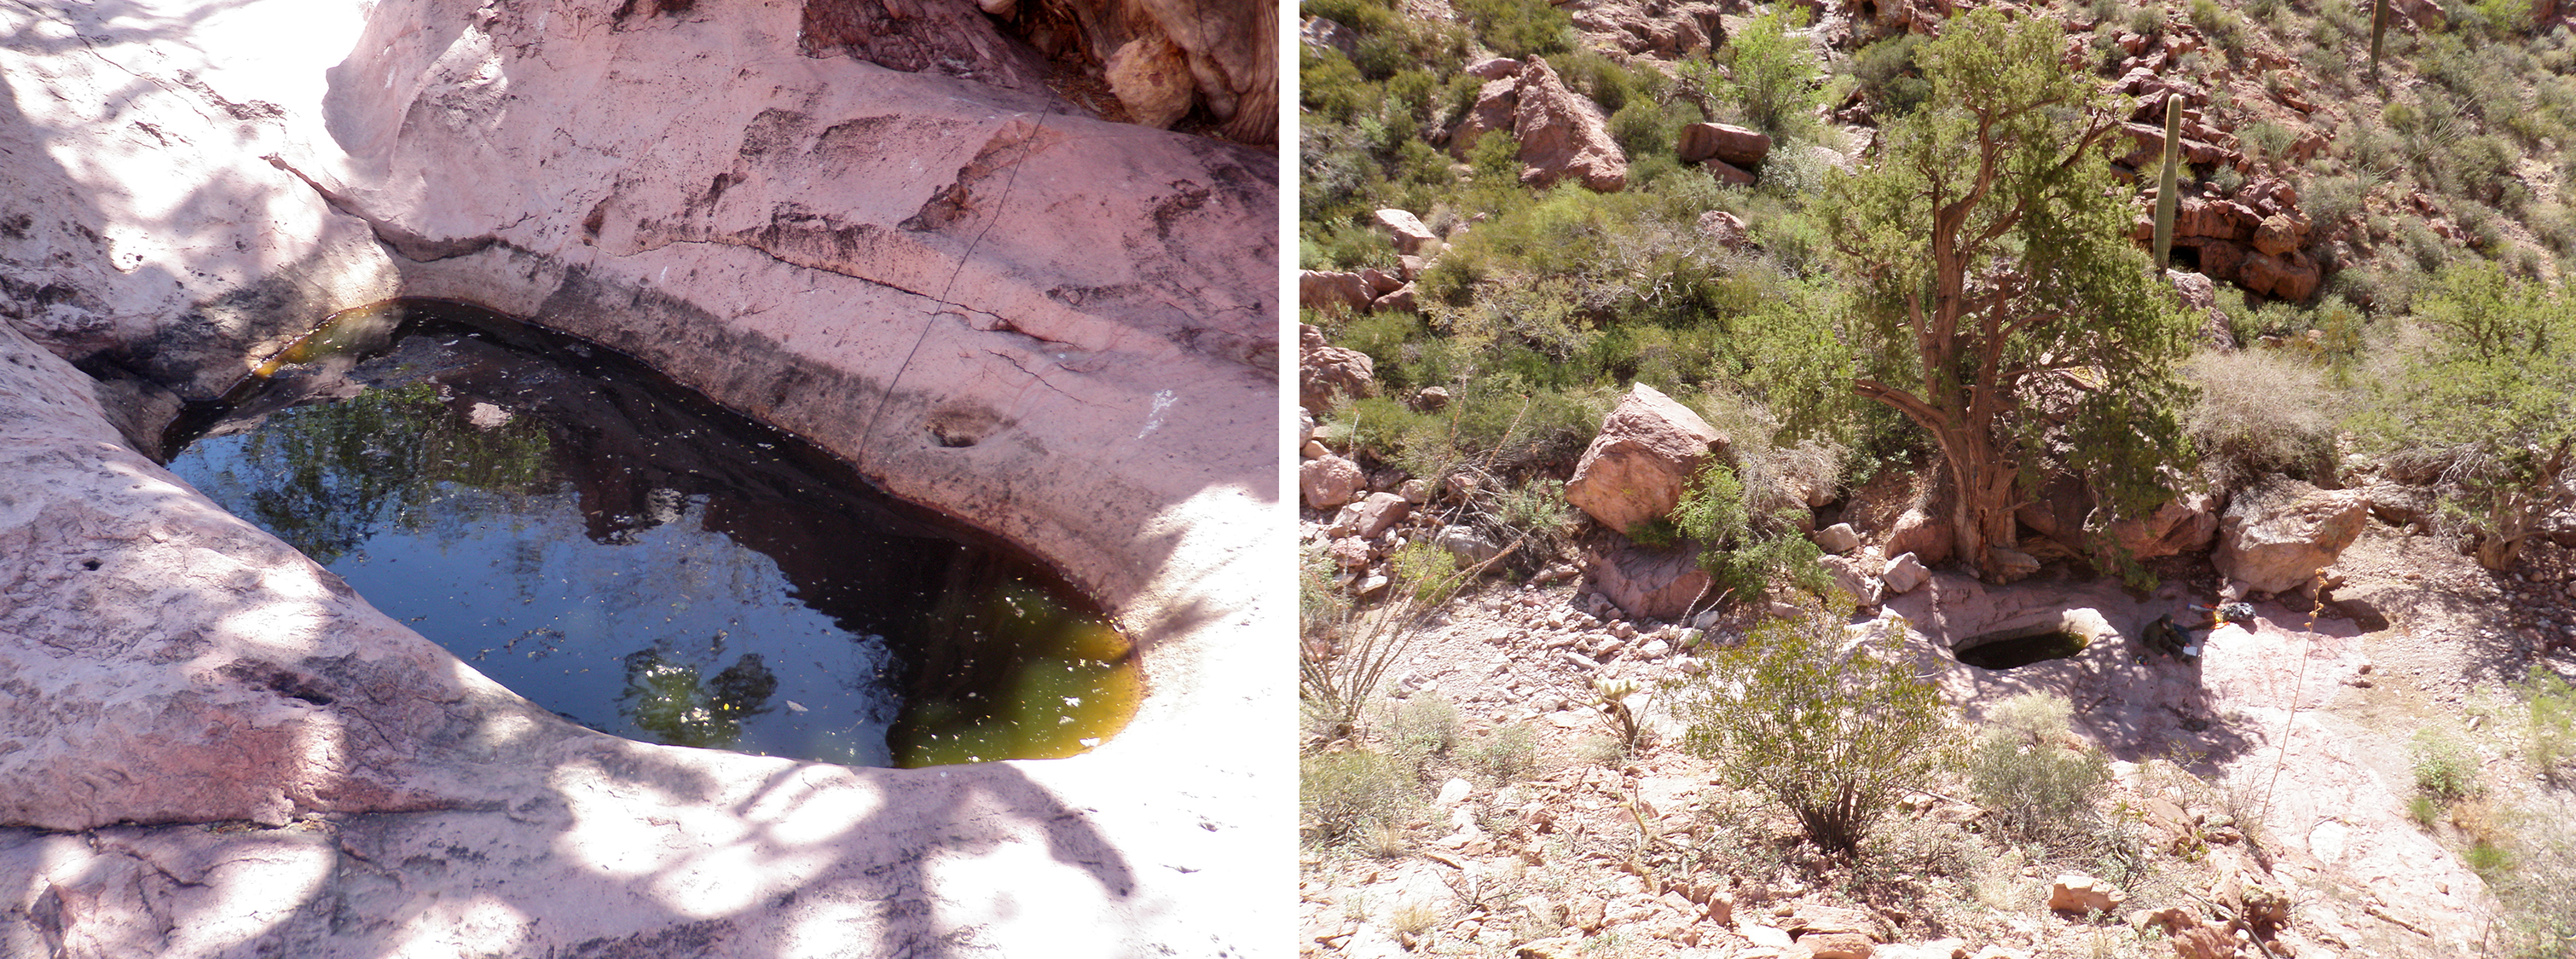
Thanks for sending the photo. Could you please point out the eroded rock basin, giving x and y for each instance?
(174, 784)
(643, 562)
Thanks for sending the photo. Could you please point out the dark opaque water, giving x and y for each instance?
(644, 562)
(2014, 651)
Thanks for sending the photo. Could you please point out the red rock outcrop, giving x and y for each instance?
(1563, 134)
(1496, 103)
(2275, 537)
(1645, 583)
(1647, 449)
(1325, 371)
(1662, 30)
(1330, 290)
(1719, 141)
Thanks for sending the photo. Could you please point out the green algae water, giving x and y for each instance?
(643, 562)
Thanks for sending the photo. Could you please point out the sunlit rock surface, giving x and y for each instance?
(1054, 327)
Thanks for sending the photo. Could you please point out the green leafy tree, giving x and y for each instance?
(1989, 262)
(2485, 409)
(1833, 728)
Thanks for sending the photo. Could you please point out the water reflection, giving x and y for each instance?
(641, 561)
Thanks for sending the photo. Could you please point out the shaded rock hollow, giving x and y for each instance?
(872, 258)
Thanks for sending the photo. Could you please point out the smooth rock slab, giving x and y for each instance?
(870, 258)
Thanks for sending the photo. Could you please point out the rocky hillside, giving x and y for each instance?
(1548, 251)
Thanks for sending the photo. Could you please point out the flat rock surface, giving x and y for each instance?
(1056, 328)
(2297, 725)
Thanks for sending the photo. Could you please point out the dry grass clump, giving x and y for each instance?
(2262, 411)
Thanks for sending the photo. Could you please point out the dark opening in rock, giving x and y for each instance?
(2015, 648)
(639, 560)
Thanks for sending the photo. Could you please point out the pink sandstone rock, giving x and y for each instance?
(1564, 134)
(1325, 371)
(1330, 481)
(1331, 290)
(2275, 537)
(868, 257)
(1720, 141)
(1647, 449)
(1495, 105)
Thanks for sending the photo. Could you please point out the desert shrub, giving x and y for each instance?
(1602, 79)
(2484, 405)
(1889, 78)
(2260, 412)
(1363, 16)
(1340, 793)
(1743, 552)
(1425, 725)
(2539, 917)
(1519, 28)
(2021, 770)
(2221, 25)
(2270, 139)
(1425, 570)
(2147, 20)
(2444, 769)
(1772, 75)
(1503, 755)
(2551, 706)
(1832, 727)
(2334, 199)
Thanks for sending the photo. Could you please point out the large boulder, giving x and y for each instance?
(1329, 481)
(1411, 237)
(1334, 291)
(2183, 524)
(1919, 532)
(1496, 103)
(1903, 573)
(1647, 583)
(1647, 449)
(1720, 141)
(1564, 134)
(1371, 515)
(2276, 536)
(1857, 575)
(1325, 371)
(2082, 894)
(1653, 28)
(2290, 276)
(1224, 56)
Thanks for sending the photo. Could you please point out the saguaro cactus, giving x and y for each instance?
(2165, 199)
(2378, 27)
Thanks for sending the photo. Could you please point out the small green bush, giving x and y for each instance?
(1425, 570)
(1341, 793)
(1831, 728)
(1519, 28)
(2551, 706)
(2444, 769)
(1504, 755)
(1889, 78)
(2539, 920)
(2022, 772)
(1426, 725)
(1744, 554)
(1772, 74)
(2222, 26)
